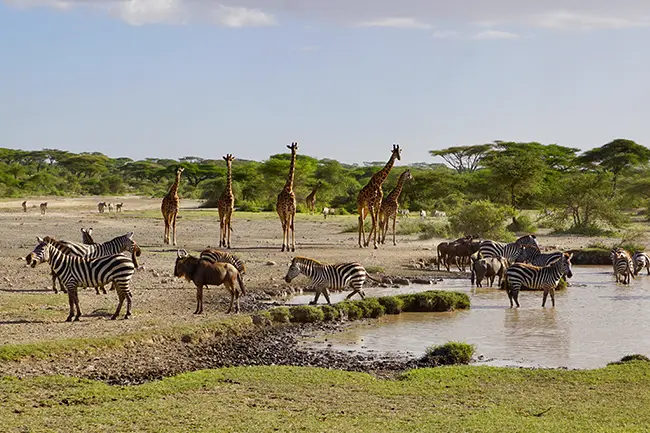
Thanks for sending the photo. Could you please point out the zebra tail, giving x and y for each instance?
(240, 280)
(373, 279)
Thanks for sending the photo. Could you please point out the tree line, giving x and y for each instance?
(574, 190)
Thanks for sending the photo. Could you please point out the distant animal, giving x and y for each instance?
(213, 256)
(110, 207)
(118, 207)
(74, 272)
(623, 265)
(310, 200)
(328, 211)
(101, 206)
(286, 204)
(423, 214)
(545, 278)
(390, 206)
(204, 273)
(325, 277)
(535, 257)
(24, 204)
(169, 209)
(226, 205)
(488, 268)
(87, 236)
(510, 251)
(439, 214)
(404, 212)
(641, 260)
(43, 207)
(447, 252)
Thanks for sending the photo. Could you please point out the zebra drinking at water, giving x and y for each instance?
(544, 278)
(641, 260)
(509, 251)
(74, 272)
(623, 265)
(114, 246)
(325, 277)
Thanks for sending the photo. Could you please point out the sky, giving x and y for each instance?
(345, 79)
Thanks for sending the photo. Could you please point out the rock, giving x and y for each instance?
(401, 281)
(420, 281)
(270, 263)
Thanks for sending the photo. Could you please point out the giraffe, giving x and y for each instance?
(389, 206)
(225, 205)
(369, 199)
(169, 208)
(311, 198)
(286, 205)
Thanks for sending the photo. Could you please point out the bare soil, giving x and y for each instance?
(30, 312)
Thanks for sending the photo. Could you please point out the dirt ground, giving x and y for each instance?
(31, 312)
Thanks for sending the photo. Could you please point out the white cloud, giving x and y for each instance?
(550, 15)
(396, 22)
(446, 34)
(495, 34)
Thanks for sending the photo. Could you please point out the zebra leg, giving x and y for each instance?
(128, 304)
(71, 304)
(326, 293)
(546, 290)
(76, 303)
(120, 301)
(316, 296)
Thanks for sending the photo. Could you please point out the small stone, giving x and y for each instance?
(270, 263)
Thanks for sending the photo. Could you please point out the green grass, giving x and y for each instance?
(268, 399)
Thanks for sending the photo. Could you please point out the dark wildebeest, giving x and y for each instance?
(448, 251)
(203, 273)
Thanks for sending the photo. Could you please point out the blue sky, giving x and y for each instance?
(346, 79)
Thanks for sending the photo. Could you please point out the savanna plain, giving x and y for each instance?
(59, 376)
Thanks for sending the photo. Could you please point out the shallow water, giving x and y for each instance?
(595, 321)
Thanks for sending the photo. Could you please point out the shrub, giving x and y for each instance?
(435, 301)
(374, 269)
(391, 304)
(351, 311)
(483, 218)
(434, 230)
(522, 224)
(280, 314)
(306, 314)
(631, 358)
(371, 307)
(450, 353)
(330, 313)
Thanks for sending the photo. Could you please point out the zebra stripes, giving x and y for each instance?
(325, 277)
(74, 272)
(544, 278)
(86, 236)
(213, 256)
(534, 257)
(510, 251)
(623, 265)
(641, 260)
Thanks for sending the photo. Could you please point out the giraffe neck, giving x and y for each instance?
(379, 177)
(395, 193)
(289, 185)
(229, 179)
(173, 191)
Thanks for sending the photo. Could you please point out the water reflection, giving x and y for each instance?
(595, 321)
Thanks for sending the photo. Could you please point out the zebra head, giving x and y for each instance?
(528, 241)
(566, 264)
(40, 254)
(294, 270)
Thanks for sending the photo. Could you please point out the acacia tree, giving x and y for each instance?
(463, 158)
(616, 157)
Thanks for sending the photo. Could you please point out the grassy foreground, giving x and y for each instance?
(266, 399)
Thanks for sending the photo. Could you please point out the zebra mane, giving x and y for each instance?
(306, 260)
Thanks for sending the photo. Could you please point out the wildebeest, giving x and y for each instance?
(449, 252)
(488, 268)
(203, 273)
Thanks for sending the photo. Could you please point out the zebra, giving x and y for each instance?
(510, 251)
(114, 246)
(86, 236)
(325, 277)
(641, 260)
(110, 207)
(211, 255)
(74, 272)
(404, 212)
(623, 265)
(534, 257)
(545, 278)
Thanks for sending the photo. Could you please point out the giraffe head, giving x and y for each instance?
(229, 158)
(397, 152)
(179, 170)
(407, 174)
(293, 146)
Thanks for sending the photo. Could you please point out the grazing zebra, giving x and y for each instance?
(87, 236)
(325, 277)
(110, 207)
(423, 214)
(114, 246)
(544, 278)
(534, 257)
(328, 211)
(623, 265)
(641, 260)
(76, 272)
(43, 207)
(509, 251)
(404, 212)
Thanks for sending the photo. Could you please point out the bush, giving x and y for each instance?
(330, 313)
(280, 314)
(391, 304)
(631, 358)
(306, 314)
(371, 307)
(482, 218)
(522, 224)
(434, 230)
(435, 301)
(350, 310)
(372, 269)
(450, 353)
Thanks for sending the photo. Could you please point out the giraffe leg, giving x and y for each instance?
(293, 234)
(394, 222)
(284, 232)
(174, 227)
(166, 238)
(361, 231)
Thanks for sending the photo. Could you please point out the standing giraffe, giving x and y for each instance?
(369, 199)
(225, 205)
(286, 206)
(311, 198)
(389, 207)
(169, 208)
